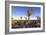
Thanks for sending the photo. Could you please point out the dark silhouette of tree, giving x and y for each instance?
(29, 13)
(21, 18)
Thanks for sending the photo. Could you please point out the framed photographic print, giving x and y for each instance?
(24, 17)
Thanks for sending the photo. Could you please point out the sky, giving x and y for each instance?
(22, 11)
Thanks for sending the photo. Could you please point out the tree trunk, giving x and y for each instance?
(28, 17)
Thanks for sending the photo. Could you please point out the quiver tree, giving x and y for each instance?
(29, 13)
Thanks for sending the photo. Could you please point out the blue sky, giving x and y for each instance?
(22, 11)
